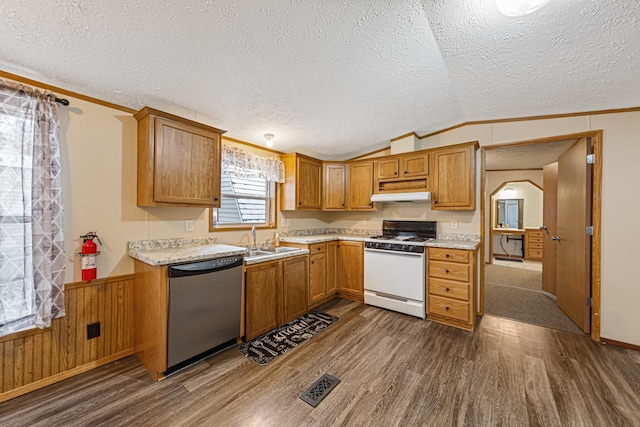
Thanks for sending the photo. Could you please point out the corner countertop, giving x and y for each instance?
(174, 251)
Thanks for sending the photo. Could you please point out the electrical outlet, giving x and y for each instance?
(364, 221)
(283, 222)
(288, 223)
(188, 225)
(454, 224)
(93, 330)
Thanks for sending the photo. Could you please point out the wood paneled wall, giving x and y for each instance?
(36, 358)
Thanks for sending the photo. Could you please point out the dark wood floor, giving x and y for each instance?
(395, 370)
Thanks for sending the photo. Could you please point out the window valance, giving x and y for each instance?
(245, 164)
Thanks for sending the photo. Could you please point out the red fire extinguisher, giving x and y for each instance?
(88, 254)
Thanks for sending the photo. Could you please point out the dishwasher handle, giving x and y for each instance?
(204, 267)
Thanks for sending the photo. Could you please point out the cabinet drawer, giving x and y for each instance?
(535, 245)
(535, 234)
(535, 253)
(449, 270)
(318, 248)
(535, 240)
(449, 308)
(451, 255)
(447, 288)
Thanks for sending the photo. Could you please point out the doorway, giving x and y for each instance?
(520, 157)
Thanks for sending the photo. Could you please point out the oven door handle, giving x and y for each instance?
(416, 254)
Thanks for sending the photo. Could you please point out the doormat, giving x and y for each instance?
(319, 390)
(503, 258)
(268, 347)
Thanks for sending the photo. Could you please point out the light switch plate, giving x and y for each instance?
(454, 224)
(364, 221)
(283, 222)
(288, 223)
(188, 225)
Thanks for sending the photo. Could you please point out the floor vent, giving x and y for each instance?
(319, 390)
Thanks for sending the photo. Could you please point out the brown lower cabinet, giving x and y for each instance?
(335, 267)
(451, 287)
(275, 293)
(350, 270)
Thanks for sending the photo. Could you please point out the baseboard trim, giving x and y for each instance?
(620, 344)
(62, 376)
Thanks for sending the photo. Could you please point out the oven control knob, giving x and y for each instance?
(406, 248)
(378, 244)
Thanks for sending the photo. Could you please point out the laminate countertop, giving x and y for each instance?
(437, 243)
(177, 251)
(174, 251)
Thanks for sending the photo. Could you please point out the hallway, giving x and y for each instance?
(515, 292)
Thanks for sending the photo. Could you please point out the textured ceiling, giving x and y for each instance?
(330, 78)
(533, 156)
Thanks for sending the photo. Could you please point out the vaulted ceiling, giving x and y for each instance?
(330, 78)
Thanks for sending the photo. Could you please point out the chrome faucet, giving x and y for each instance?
(253, 233)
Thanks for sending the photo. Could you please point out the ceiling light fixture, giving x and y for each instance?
(519, 7)
(269, 138)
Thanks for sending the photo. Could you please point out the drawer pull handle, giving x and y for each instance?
(447, 289)
(446, 308)
(447, 271)
(447, 255)
(313, 262)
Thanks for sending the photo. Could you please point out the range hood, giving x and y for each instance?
(421, 196)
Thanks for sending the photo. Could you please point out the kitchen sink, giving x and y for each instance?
(255, 253)
(270, 251)
(280, 250)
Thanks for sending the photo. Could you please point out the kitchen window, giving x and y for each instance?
(248, 191)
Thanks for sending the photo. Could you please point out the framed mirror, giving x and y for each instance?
(509, 213)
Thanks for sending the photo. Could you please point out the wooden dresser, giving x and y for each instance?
(533, 244)
(451, 284)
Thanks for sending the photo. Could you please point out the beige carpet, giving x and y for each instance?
(517, 294)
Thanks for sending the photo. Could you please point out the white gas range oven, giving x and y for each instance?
(395, 266)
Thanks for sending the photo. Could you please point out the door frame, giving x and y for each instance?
(596, 202)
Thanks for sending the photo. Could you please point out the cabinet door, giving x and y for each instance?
(187, 164)
(295, 278)
(317, 277)
(351, 268)
(387, 169)
(335, 187)
(361, 186)
(263, 296)
(309, 183)
(454, 179)
(332, 264)
(414, 165)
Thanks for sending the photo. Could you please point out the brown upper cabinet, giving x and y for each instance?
(360, 186)
(334, 197)
(454, 177)
(403, 166)
(302, 188)
(178, 161)
(402, 173)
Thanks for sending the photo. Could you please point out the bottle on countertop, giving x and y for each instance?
(276, 240)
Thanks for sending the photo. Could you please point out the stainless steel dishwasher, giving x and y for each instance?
(204, 309)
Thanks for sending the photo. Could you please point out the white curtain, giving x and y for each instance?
(245, 164)
(31, 221)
